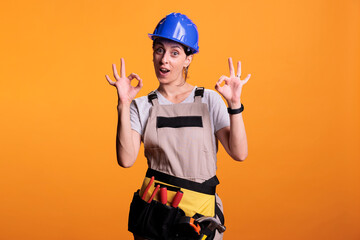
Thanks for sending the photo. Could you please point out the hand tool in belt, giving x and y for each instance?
(213, 224)
(147, 188)
(154, 193)
(163, 195)
(177, 199)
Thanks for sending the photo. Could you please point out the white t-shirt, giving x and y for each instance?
(139, 111)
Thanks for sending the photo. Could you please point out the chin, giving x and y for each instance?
(163, 79)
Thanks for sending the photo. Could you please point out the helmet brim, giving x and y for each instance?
(154, 36)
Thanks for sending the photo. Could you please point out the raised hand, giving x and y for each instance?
(231, 90)
(126, 92)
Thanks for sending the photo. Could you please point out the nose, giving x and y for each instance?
(165, 58)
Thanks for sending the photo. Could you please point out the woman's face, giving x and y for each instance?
(169, 60)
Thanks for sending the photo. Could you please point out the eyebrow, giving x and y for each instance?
(176, 46)
(172, 46)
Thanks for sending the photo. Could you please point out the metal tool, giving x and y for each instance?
(214, 223)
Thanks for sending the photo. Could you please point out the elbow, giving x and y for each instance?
(239, 157)
(125, 164)
(238, 152)
(124, 160)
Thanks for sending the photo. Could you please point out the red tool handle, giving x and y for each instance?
(147, 188)
(177, 199)
(163, 195)
(154, 193)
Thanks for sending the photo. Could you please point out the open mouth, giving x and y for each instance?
(164, 70)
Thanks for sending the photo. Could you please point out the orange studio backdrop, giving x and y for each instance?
(59, 175)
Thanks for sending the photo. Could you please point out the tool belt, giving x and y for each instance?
(151, 219)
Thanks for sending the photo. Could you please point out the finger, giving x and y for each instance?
(238, 69)
(139, 85)
(109, 80)
(247, 78)
(133, 75)
(221, 79)
(116, 76)
(218, 86)
(231, 68)
(122, 71)
(219, 89)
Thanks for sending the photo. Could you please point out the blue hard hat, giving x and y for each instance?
(179, 28)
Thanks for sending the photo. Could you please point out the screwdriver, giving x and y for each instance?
(147, 188)
(163, 195)
(177, 199)
(154, 193)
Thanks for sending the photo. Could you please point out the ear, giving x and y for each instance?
(188, 60)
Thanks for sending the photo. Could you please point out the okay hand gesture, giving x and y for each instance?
(231, 90)
(126, 92)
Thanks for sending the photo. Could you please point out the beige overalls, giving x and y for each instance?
(178, 142)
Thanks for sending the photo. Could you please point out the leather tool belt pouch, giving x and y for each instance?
(153, 220)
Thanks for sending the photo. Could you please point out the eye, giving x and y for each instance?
(159, 50)
(175, 53)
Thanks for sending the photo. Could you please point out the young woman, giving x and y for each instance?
(180, 126)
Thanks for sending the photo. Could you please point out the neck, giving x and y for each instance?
(175, 94)
(174, 90)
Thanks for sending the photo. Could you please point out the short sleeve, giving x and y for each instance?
(219, 112)
(135, 117)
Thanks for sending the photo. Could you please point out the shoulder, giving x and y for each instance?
(217, 109)
(211, 97)
(141, 102)
(139, 112)
(215, 102)
(211, 93)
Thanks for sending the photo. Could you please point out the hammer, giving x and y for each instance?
(214, 223)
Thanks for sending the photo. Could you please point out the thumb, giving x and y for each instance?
(139, 85)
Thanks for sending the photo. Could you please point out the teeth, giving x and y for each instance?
(164, 70)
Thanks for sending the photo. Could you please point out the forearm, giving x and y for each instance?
(237, 137)
(125, 149)
(233, 137)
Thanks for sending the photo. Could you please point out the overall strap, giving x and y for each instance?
(152, 97)
(199, 93)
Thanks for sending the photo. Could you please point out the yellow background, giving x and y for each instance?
(59, 175)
